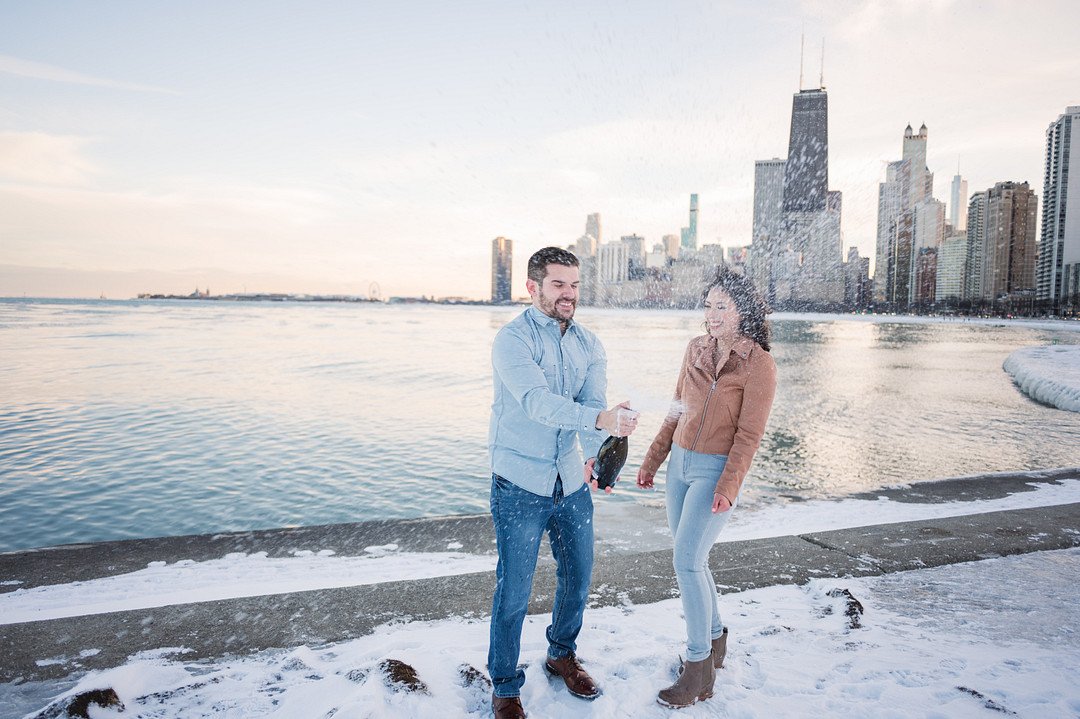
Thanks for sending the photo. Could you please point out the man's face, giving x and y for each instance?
(558, 294)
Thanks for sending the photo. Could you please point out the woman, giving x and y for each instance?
(722, 401)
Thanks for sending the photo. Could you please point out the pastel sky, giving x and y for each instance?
(324, 147)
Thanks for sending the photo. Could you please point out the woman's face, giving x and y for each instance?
(721, 315)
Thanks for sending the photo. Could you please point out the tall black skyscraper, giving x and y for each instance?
(806, 174)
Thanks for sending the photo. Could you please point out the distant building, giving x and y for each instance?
(502, 250)
(592, 227)
(978, 267)
(768, 220)
(1058, 271)
(657, 259)
(958, 204)
(690, 234)
(806, 172)
(909, 219)
(635, 255)
(856, 280)
(925, 284)
(736, 258)
(671, 246)
(807, 266)
(613, 262)
(951, 269)
(1011, 214)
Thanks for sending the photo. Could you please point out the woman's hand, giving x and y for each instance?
(645, 479)
(720, 503)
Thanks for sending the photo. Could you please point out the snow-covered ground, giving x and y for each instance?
(245, 575)
(989, 638)
(1049, 374)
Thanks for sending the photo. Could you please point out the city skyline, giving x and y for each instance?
(323, 150)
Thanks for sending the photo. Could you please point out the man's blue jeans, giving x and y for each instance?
(521, 518)
(691, 480)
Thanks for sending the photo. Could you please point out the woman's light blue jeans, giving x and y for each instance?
(691, 480)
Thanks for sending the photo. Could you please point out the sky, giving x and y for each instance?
(362, 147)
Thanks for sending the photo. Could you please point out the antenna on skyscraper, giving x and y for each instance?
(802, 47)
(821, 82)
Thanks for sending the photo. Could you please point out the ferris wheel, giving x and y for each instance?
(374, 293)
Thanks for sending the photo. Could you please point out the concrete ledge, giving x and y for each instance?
(250, 624)
(79, 562)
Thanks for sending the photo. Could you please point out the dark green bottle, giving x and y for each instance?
(610, 460)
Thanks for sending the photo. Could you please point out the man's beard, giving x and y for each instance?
(549, 308)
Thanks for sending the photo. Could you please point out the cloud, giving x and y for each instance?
(38, 157)
(41, 71)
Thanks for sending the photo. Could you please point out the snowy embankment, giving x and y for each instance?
(246, 575)
(1050, 374)
(999, 637)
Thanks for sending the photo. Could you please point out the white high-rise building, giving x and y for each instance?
(979, 270)
(671, 246)
(952, 259)
(592, 227)
(908, 184)
(958, 204)
(613, 262)
(1058, 267)
(768, 199)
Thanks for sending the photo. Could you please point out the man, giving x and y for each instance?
(550, 378)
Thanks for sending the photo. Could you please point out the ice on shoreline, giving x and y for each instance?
(1049, 374)
(987, 638)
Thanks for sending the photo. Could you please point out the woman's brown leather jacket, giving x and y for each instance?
(719, 412)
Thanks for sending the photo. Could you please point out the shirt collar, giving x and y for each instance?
(546, 320)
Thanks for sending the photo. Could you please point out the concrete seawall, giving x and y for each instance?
(236, 626)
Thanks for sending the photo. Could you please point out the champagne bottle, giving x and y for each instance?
(610, 460)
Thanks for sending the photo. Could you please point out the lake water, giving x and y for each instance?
(135, 419)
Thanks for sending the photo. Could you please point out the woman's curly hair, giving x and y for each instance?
(751, 305)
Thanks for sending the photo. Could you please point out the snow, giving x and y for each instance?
(1049, 374)
(246, 575)
(999, 636)
(234, 575)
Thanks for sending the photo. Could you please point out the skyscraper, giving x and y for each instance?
(806, 172)
(958, 204)
(811, 213)
(592, 227)
(502, 250)
(768, 198)
(689, 234)
(952, 264)
(1011, 213)
(768, 219)
(977, 277)
(909, 219)
(1058, 273)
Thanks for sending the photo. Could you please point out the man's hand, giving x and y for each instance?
(620, 420)
(720, 503)
(594, 484)
(645, 479)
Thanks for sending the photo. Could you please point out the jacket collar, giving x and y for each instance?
(704, 351)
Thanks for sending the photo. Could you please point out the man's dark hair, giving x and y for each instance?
(751, 305)
(549, 256)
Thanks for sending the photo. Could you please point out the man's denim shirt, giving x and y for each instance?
(549, 389)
